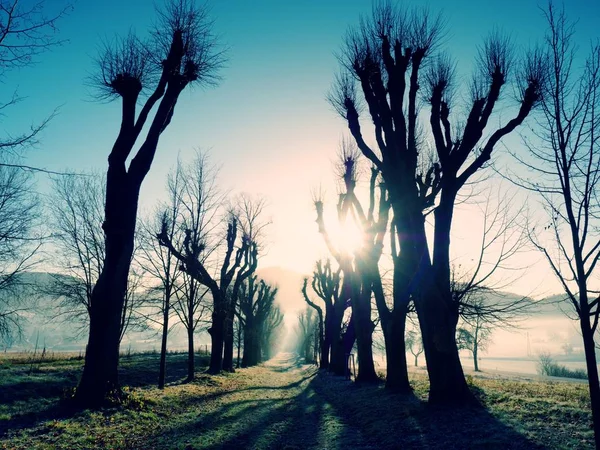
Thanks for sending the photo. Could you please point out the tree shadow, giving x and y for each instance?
(31, 396)
(324, 412)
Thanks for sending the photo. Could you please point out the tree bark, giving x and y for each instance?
(363, 326)
(446, 377)
(228, 340)
(592, 372)
(162, 371)
(100, 381)
(239, 345)
(191, 361)
(217, 335)
(250, 357)
(337, 360)
(476, 347)
(395, 353)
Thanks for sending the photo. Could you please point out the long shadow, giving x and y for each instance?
(30, 398)
(404, 421)
(288, 421)
(324, 412)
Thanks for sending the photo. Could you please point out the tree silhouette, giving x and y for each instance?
(19, 244)
(160, 264)
(326, 283)
(389, 56)
(562, 162)
(76, 210)
(361, 273)
(26, 31)
(256, 300)
(183, 53)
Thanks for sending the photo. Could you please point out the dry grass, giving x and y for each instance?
(284, 404)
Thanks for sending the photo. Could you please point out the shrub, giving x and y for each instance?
(547, 366)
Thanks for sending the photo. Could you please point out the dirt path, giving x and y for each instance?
(277, 408)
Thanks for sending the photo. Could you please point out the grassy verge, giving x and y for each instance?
(282, 406)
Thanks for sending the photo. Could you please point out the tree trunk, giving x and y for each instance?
(363, 325)
(162, 371)
(250, 358)
(395, 353)
(191, 361)
(446, 377)
(393, 324)
(217, 335)
(325, 346)
(239, 345)
(100, 381)
(338, 352)
(327, 338)
(228, 340)
(475, 349)
(592, 372)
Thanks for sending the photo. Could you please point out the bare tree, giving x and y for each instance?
(191, 308)
(563, 161)
(182, 52)
(27, 29)
(250, 213)
(159, 263)
(389, 56)
(361, 272)
(271, 332)
(326, 283)
(307, 327)
(19, 243)
(414, 344)
(256, 301)
(76, 210)
(194, 187)
(476, 332)
(199, 250)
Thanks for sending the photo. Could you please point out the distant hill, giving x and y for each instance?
(547, 326)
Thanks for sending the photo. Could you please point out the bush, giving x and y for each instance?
(547, 366)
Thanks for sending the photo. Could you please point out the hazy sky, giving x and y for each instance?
(267, 124)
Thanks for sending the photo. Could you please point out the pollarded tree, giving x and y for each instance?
(324, 349)
(326, 283)
(390, 55)
(181, 52)
(360, 268)
(250, 214)
(256, 300)
(306, 330)
(193, 259)
(199, 201)
(270, 332)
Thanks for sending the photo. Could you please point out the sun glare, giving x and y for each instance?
(349, 238)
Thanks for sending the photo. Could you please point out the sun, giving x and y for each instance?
(349, 237)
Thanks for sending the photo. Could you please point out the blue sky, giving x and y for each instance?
(267, 124)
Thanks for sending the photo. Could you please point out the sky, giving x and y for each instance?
(267, 124)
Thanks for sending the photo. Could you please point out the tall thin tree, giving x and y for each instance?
(182, 52)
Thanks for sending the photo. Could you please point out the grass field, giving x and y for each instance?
(282, 405)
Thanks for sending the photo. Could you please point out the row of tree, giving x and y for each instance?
(194, 257)
(394, 72)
